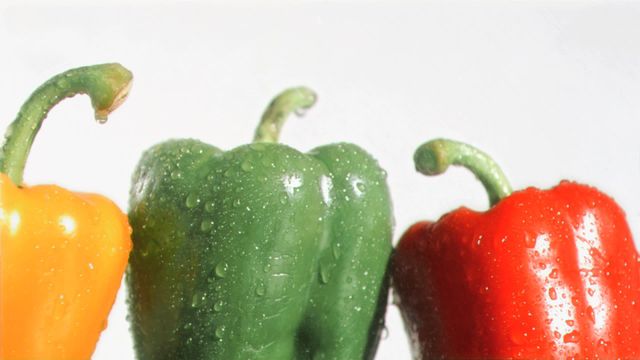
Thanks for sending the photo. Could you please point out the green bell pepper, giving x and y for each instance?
(260, 252)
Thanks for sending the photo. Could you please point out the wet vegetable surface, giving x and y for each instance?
(542, 274)
(260, 252)
(62, 254)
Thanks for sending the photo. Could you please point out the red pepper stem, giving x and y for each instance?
(434, 157)
(107, 85)
(296, 100)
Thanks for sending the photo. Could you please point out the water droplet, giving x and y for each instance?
(591, 314)
(590, 291)
(519, 338)
(237, 202)
(101, 117)
(206, 225)
(301, 111)
(197, 299)
(570, 322)
(553, 295)
(91, 266)
(602, 343)
(209, 206)
(220, 332)
(385, 333)
(530, 241)
(553, 274)
(336, 250)
(267, 268)
(572, 337)
(192, 201)
(575, 300)
(260, 289)
(62, 83)
(60, 307)
(349, 279)
(176, 174)
(218, 306)
(221, 269)
(324, 274)
(246, 166)
(228, 173)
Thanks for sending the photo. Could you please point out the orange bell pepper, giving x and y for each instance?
(62, 254)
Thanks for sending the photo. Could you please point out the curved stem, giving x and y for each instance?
(291, 100)
(434, 157)
(107, 84)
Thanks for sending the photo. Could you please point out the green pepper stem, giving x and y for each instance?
(107, 85)
(291, 100)
(434, 157)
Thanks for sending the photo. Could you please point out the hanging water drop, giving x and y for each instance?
(206, 225)
(101, 117)
(176, 174)
(336, 250)
(246, 166)
(260, 289)
(197, 299)
(324, 274)
(221, 269)
(219, 333)
(192, 201)
(218, 306)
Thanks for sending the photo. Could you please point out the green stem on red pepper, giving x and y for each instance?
(291, 100)
(435, 156)
(107, 85)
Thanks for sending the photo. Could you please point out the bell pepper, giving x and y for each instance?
(259, 252)
(546, 274)
(62, 254)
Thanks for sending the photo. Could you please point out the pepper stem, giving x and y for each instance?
(435, 156)
(107, 85)
(291, 100)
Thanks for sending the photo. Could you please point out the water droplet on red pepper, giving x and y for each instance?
(572, 337)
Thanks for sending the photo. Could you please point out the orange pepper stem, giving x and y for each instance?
(107, 85)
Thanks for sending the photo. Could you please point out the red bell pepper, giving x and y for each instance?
(541, 274)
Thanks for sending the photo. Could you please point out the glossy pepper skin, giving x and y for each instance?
(62, 254)
(260, 252)
(547, 274)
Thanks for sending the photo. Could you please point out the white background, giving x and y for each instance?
(551, 90)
